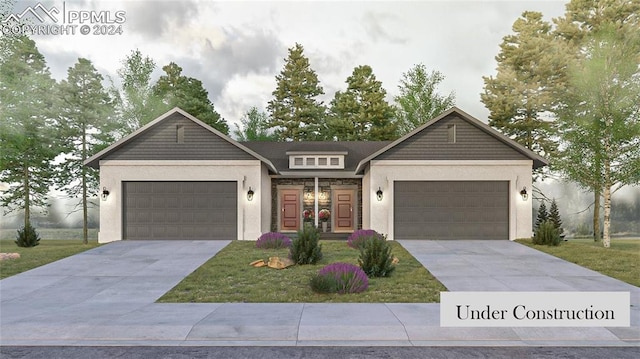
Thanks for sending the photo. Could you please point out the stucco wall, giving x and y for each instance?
(246, 173)
(383, 173)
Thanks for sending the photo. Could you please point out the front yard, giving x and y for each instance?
(227, 277)
(621, 261)
(49, 250)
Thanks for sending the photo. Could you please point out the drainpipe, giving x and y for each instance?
(315, 202)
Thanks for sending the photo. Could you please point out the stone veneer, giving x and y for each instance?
(324, 185)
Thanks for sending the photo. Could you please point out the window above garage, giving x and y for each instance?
(305, 160)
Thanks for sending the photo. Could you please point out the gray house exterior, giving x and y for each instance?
(452, 178)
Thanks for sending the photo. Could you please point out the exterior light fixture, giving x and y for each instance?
(250, 194)
(323, 195)
(524, 194)
(379, 194)
(105, 193)
(308, 195)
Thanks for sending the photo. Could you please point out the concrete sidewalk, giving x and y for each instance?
(106, 296)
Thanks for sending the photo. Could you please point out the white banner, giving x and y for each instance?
(535, 309)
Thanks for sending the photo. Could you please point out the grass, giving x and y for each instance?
(46, 252)
(621, 261)
(227, 277)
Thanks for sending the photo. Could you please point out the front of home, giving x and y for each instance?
(452, 178)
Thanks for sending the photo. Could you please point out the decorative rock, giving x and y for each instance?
(5, 256)
(258, 263)
(279, 263)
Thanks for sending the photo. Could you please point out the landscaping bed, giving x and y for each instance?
(621, 261)
(227, 277)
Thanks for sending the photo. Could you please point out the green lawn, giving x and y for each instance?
(227, 277)
(621, 261)
(46, 252)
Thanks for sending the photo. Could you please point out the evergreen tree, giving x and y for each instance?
(188, 93)
(295, 112)
(254, 127)
(543, 215)
(554, 216)
(361, 113)
(530, 74)
(28, 143)
(419, 101)
(135, 101)
(86, 120)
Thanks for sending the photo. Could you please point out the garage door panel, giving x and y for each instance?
(180, 210)
(451, 209)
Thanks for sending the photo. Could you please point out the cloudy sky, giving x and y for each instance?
(237, 47)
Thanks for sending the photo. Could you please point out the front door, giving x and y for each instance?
(290, 210)
(343, 204)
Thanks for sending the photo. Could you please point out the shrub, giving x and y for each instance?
(547, 233)
(340, 278)
(375, 257)
(305, 249)
(357, 238)
(273, 240)
(27, 237)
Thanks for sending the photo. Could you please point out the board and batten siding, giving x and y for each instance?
(432, 143)
(160, 142)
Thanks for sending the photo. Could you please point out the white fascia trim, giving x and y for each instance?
(451, 163)
(180, 163)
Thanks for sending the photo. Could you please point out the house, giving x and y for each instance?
(452, 178)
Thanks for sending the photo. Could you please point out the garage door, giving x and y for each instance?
(180, 210)
(451, 210)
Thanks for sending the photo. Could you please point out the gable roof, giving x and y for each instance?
(94, 161)
(538, 161)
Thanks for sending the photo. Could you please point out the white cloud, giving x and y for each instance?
(234, 47)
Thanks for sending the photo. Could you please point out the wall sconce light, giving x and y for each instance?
(524, 194)
(250, 194)
(379, 194)
(323, 195)
(105, 193)
(308, 195)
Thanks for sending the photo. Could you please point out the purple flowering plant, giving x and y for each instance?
(273, 240)
(356, 239)
(340, 278)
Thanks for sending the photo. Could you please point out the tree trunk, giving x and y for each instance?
(27, 196)
(85, 230)
(606, 238)
(596, 215)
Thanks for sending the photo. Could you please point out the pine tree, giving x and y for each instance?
(188, 93)
(543, 215)
(530, 74)
(295, 112)
(554, 216)
(28, 142)
(361, 113)
(87, 126)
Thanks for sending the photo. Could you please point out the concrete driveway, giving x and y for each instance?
(106, 296)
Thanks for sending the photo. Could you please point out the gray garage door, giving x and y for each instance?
(180, 210)
(451, 210)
